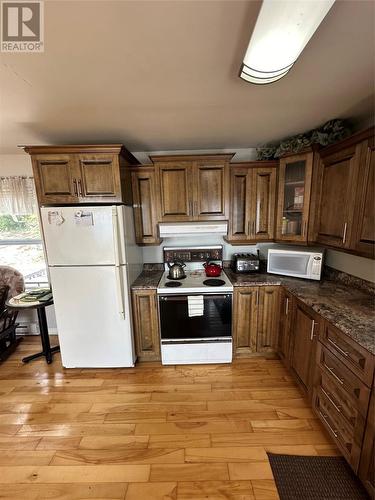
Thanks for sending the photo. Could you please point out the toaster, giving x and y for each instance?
(245, 263)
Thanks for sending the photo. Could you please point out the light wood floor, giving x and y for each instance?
(151, 432)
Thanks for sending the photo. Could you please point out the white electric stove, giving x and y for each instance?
(186, 337)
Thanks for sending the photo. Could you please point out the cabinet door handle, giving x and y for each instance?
(254, 227)
(344, 234)
(312, 329)
(80, 187)
(328, 396)
(344, 353)
(304, 228)
(257, 297)
(249, 228)
(287, 306)
(190, 208)
(324, 417)
(340, 380)
(75, 187)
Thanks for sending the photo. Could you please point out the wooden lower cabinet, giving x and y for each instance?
(146, 325)
(285, 315)
(255, 320)
(303, 338)
(268, 318)
(367, 460)
(340, 400)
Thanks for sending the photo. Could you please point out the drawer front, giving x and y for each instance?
(355, 357)
(341, 383)
(348, 439)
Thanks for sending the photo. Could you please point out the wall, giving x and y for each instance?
(352, 264)
(20, 164)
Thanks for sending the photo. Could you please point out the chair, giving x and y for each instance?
(11, 284)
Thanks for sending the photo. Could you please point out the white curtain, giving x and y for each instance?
(17, 196)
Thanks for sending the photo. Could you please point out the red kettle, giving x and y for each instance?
(212, 269)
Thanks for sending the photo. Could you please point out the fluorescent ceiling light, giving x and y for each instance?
(281, 32)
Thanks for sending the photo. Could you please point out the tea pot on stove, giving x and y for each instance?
(176, 270)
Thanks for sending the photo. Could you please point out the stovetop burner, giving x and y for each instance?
(214, 282)
(173, 284)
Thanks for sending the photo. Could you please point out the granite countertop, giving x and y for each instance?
(349, 309)
(148, 279)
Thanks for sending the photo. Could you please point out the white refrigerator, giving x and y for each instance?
(92, 260)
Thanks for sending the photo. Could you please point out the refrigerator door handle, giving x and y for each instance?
(120, 292)
(116, 241)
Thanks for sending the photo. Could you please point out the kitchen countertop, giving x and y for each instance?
(349, 309)
(147, 280)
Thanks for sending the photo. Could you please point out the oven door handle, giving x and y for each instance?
(183, 298)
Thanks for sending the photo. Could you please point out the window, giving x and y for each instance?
(20, 238)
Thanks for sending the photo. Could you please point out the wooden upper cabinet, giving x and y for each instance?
(193, 188)
(337, 181)
(252, 202)
(145, 205)
(55, 178)
(295, 175)
(263, 203)
(211, 190)
(81, 173)
(304, 333)
(175, 191)
(363, 234)
(99, 177)
(240, 180)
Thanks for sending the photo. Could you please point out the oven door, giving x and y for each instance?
(176, 325)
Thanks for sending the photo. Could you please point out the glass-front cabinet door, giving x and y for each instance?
(294, 197)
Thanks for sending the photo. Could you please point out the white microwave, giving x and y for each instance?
(296, 263)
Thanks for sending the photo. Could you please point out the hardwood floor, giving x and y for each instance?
(150, 432)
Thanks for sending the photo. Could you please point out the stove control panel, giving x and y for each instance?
(192, 254)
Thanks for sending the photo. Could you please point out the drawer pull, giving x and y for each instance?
(334, 374)
(344, 353)
(313, 323)
(286, 306)
(324, 417)
(338, 408)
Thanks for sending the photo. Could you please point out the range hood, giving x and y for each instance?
(172, 229)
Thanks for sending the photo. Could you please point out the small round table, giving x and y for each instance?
(43, 328)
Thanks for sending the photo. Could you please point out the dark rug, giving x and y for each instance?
(315, 478)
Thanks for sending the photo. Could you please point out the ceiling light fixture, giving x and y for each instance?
(281, 32)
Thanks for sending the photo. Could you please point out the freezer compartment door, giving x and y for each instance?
(93, 316)
(76, 236)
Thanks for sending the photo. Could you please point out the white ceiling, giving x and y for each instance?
(161, 75)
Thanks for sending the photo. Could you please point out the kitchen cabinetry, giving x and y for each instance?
(268, 318)
(146, 325)
(303, 338)
(286, 309)
(367, 459)
(293, 210)
(342, 384)
(363, 234)
(145, 205)
(255, 319)
(338, 173)
(81, 173)
(193, 188)
(252, 199)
